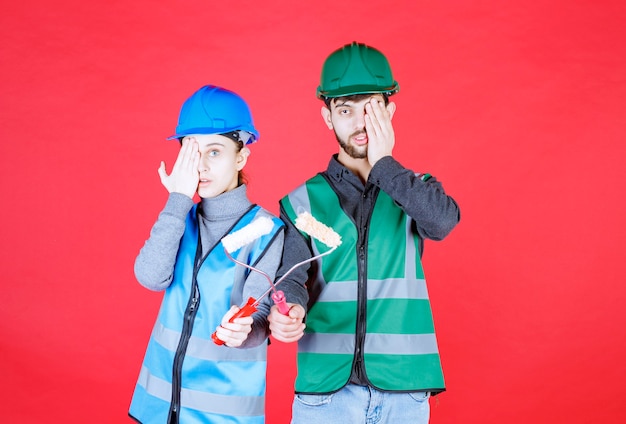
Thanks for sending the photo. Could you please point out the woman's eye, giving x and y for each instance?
(214, 152)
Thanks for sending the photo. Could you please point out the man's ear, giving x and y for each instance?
(242, 158)
(326, 116)
(391, 108)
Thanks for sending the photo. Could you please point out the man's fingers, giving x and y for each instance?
(289, 328)
(379, 116)
(297, 312)
(288, 336)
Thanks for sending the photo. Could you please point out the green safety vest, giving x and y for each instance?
(371, 300)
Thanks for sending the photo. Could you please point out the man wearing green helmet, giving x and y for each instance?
(369, 351)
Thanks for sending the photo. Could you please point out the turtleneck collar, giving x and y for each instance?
(227, 205)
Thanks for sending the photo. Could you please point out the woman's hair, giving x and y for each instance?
(242, 178)
(239, 142)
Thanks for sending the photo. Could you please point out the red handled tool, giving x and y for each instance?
(250, 307)
(306, 223)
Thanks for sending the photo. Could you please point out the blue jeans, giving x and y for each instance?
(361, 405)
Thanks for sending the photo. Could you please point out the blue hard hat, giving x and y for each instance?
(215, 110)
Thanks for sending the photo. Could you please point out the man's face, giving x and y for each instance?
(347, 119)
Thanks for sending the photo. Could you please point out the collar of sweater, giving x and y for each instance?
(232, 203)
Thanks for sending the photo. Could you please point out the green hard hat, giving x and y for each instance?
(356, 69)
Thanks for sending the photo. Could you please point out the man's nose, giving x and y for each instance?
(360, 119)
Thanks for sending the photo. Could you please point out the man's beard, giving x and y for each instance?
(353, 151)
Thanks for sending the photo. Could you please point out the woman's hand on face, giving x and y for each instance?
(184, 177)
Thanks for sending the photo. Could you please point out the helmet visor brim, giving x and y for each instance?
(358, 89)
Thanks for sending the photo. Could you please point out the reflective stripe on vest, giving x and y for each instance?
(218, 383)
(400, 348)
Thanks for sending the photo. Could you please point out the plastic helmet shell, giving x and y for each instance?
(214, 110)
(356, 69)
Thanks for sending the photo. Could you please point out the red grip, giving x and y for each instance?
(246, 310)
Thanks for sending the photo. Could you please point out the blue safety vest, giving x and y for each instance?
(186, 378)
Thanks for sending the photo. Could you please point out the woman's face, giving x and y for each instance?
(220, 163)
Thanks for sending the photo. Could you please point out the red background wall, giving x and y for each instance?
(518, 107)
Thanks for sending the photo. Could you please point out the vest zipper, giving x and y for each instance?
(361, 323)
(179, 357)
(190, 315)
(361, 310)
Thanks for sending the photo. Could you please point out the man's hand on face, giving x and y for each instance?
(185, 177)
(380, 135)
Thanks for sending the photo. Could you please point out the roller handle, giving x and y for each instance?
(279, 299)
(248, 309)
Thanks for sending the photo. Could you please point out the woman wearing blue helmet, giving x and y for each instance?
(185, 376)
